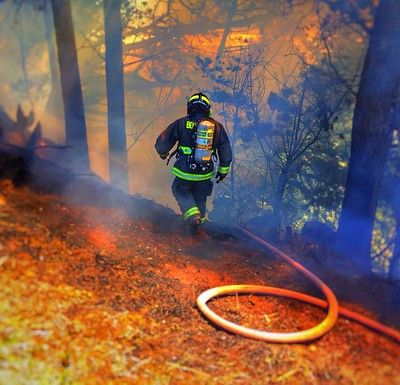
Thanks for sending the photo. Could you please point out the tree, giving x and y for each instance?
(115, 94)
(54, 105)
(394, 268)
(231, 9)
(372, 135)
(74, 115)
(293, 137)
(390, 197)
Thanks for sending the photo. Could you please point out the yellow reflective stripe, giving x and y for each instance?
(193, 177)
(205, 134)
(203, 146)
(223, 170)
(192, 211)
(202, 97)
(186, 150)
(204, 220)
(205, 99)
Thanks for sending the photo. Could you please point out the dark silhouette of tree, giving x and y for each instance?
(394, 268)
(372, 135)
(354, 13)
(74, 115)
(231, 10)
(302, 116)
(16, 132)
(115, 94)
(390, 197)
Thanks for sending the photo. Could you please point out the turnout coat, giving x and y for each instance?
(183, 132)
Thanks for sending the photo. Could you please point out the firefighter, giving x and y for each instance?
(200, 140)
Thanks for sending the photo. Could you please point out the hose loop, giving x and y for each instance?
(313, 333)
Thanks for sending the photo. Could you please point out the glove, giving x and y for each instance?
(220, 177)
(164, 156)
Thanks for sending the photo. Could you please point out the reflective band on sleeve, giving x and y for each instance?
(203, 220)
(192, 211)
(223, 170)
(186, 150)
(193, 177)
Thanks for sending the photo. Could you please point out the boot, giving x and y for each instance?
(193, 224)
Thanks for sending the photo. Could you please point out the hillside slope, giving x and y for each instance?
(93, 292)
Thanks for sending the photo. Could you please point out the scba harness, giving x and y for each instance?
(200, 156)
(200, 140)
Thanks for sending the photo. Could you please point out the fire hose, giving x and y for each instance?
(314, 332)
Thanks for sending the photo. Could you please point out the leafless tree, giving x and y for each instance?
(115, 95)
(372, 134)
(75, 126)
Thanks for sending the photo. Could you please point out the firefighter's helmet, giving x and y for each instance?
(199, 102)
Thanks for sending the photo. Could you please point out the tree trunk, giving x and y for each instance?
(371, 136)
(74, 115)
(115, 95)
(232, 167)
(394, 268)
(278, 200)
(229, 18)
(50, 43)
(24, 52)
(53, 109)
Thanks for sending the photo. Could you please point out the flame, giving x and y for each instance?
(308, 43)
(312, 33)
(135, 38)
(209, 43)
(204, 44)
(302, 48)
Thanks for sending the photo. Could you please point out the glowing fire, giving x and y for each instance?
(209, 43)
(205, 44)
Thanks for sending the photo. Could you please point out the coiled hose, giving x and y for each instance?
(313, 333)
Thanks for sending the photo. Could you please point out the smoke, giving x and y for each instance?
(265, 46)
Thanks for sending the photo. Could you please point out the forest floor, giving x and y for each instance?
(92, 295)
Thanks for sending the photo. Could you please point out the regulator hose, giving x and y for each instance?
(313, 333)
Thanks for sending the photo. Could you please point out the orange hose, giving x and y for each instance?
(291, 337)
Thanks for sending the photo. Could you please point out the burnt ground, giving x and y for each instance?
(103, 291)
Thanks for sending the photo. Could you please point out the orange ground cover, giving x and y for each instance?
(90, 295)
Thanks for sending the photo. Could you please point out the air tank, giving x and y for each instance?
(204, 140)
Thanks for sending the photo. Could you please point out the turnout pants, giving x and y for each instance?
(192, 196)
